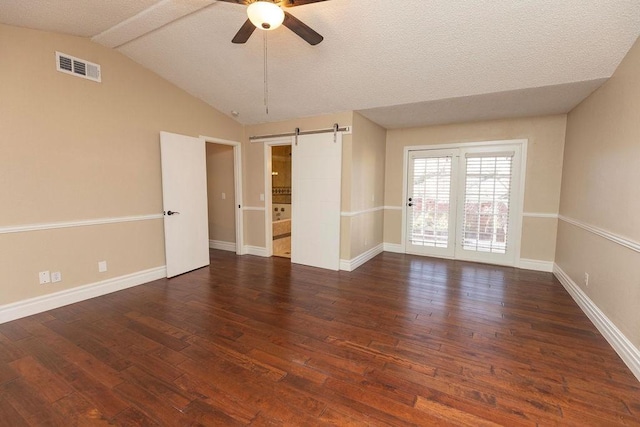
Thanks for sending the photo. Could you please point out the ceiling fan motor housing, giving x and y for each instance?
(265, 15)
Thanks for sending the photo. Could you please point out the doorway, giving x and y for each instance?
(465, 202)
(281, 200)
(224, 194)
(220, 197)
(278, 192)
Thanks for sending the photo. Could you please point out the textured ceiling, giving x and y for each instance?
(400, 63)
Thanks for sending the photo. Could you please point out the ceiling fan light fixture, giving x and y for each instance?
(265, 15)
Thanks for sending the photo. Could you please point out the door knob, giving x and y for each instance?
(173, 213)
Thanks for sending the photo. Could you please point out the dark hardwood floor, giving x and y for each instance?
(403, 340)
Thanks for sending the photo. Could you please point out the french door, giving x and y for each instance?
(464, 203)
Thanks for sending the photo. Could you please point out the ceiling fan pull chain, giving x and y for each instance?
(266, 75)
(335, 132)
(297, 133)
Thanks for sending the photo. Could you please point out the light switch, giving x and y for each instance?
(262, 197)
(224, 196)
(102, 266)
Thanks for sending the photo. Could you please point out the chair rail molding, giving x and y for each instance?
(77, 223)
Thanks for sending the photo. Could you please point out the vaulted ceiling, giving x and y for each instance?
(401, 63)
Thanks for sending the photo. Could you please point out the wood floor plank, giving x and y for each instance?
(132, 417)
(94, 391)
(152, 406)
(50, 386)
(9, 350)
(402, 340)
(218, 399)
(9, 416)
(272, 400)
(80, 412)
(165, 391)
(14, 331)
(31, 404)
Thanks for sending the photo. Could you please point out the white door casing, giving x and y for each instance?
(184, 195)
(316, 196)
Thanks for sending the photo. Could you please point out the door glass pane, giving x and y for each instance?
(429, 215)
(486, 204)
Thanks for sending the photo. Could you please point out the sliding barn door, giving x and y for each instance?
(315, 210)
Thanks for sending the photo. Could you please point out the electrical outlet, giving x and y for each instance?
(224, 196)
(102, 266)
(45, 277)
(56, 276)
(262, 197)
(586, 279)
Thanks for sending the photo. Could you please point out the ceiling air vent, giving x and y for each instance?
(77, 67)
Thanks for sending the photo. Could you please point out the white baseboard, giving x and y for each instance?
(255, 250)
(223, 246)
(393, 247)
(352, 264)
(629, 353)
(535, 264)
(43, 303)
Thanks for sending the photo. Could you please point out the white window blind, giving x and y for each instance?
(487, 195)
(429, 218)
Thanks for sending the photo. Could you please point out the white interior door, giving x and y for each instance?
(184, 200)
(315, 209)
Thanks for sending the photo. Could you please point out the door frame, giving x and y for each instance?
(237, 184)
(268, 202)
(517, 202)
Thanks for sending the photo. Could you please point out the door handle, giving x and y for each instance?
(173, 213)
(409, 204)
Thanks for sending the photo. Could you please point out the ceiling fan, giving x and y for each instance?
(269, 15)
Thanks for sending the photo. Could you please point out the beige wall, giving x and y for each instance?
(220, 179)
(543, 174)
(367, 187)
(600, 180)
(73, 149)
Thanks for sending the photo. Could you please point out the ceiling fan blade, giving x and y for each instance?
(292, 3)
(301, 29)
(244, 32)
(235, 1)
